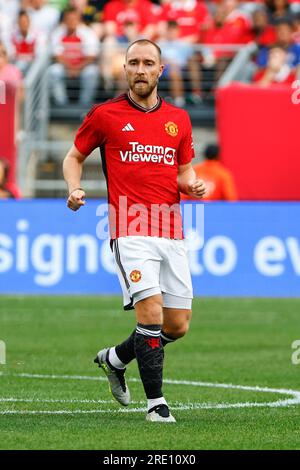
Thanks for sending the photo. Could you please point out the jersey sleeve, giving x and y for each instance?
(90, 135)
(186, 148)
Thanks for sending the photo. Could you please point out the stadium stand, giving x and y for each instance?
(206, 45)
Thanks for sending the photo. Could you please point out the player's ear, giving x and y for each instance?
(161, 69)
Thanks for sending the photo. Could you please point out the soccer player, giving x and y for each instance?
(146, 148)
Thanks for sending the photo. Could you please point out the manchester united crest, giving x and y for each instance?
(171, 128)
(135, 275)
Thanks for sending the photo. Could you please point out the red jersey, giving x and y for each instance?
(267, 37)
(190, 17)
(140, 150)
(121, 13)
(235, 30)
(76, 46)
(24, 47)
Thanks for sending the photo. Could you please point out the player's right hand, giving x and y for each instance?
(76, 199)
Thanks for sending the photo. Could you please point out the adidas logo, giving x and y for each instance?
(128, 127)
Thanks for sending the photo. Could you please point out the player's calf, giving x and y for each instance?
(150, 357)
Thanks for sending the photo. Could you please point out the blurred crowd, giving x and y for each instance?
(86, 39)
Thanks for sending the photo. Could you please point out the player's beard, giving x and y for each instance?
(145, 90)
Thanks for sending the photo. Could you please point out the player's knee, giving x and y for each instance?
(180, 330)
(149, 310)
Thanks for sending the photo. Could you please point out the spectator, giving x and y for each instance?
(92, 13)
(10, 8)
(232, 26)
(176, 55)
(278, 10)
(91, 10)
(117, 13)
(284, 38)
(9, 73)
(44, 18)
(115, 68)
(26, 43)
(213, 35)
(296, 28)
(218, 180)
(5, 191)
(5, 28)
(75, 50)
(277, 71)
(263, 33)
(192, 18)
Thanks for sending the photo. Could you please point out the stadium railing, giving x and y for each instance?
(34, 121)
(241, 67)
(39, 114)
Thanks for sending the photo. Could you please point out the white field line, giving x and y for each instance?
(51, 400)
(181, 407)
(293, 400)
(189, 383)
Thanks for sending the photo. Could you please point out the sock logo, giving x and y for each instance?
(153, 342)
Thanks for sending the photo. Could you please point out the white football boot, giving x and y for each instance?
(116, 378)
(160, 414)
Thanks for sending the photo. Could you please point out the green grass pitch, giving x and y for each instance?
(52, 396)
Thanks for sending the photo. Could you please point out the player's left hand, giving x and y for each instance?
(76, 199)
(197, 189)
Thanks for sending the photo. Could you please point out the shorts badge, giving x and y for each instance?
(135, 275)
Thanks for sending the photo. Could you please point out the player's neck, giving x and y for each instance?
(146, 103)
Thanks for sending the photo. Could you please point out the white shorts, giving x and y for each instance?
(148, 266)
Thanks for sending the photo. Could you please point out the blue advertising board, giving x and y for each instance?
(241, 249)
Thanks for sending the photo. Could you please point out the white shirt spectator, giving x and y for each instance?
(84, 43)
(44, 19)
(5, 29)
(10, 8)
(27, 48)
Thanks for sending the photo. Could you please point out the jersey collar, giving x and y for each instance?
(141, 108)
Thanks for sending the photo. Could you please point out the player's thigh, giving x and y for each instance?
(139, 265)
(175, 276)
(149, 310)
